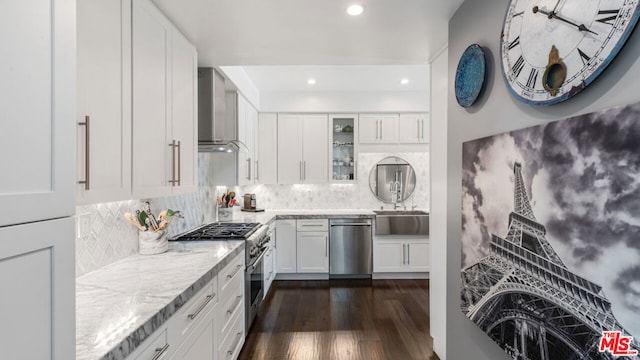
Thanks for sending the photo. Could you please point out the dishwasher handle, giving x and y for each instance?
(351, 224)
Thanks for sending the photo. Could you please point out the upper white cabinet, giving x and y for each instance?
(378, 128)
(103, 100)
(37, 140)
(247, 122)
(343, 153)
(164, 105)
(414, 128)
(393, 128)
(184, 120)
(302, 140)
(267, 145)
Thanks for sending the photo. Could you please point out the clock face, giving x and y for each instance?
(552, 49)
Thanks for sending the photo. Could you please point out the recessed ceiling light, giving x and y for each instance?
(404, 81)
(311, 81)
(355, 9)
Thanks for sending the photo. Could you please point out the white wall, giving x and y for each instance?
(497, 112)
(351, 101)
(438, 214)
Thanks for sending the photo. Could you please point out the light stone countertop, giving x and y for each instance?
(269, 215)
(120, 305)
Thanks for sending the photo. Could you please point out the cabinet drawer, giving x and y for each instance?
(312, 225)
(231, 304)
(227, 274)
(156, 348)
(196, 308)
(233, 339)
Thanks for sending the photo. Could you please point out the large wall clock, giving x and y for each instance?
(552, 49)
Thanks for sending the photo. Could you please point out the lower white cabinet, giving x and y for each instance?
(312, 243)
(155, 347)
(201, 344)
(401, 255)
(37, 306)
(286, 247)
(270, 262)
(313, 252)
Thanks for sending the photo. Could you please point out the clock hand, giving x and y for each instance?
(555, 7)
(553, 15)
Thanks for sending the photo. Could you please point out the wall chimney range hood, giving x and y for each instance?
(216, 115)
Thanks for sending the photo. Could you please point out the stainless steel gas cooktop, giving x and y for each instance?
(218, 231)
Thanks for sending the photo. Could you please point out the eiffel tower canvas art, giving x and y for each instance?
(554, 286)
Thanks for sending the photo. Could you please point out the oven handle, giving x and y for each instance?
(251, 268)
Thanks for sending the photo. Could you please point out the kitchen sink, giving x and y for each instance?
(401, 222)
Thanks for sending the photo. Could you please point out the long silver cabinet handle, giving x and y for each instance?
(87, 148)
(408, 254)
(160, 351)
(179, 164)
(418, 128)
(230, 352)
(403, 254)
(204, 304)
(173, 180)
(248, 168)
(304, 170)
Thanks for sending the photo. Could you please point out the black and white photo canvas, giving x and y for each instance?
(551, 237)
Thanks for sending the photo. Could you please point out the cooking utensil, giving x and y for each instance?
(133, 220)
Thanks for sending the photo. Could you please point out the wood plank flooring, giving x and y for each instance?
(343, 320)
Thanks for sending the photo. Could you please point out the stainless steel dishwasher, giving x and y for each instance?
(350, 254)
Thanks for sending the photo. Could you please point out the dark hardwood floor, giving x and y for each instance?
(343, 320)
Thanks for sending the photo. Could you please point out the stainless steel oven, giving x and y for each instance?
(254, 289)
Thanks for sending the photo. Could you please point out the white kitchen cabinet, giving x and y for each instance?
(37, 275)
(378, 128)
(286, 246)
(201, 344)
(37, 186)
(301, 143)
(38, 106)
(392, 255)
(312, 252)
(270, 261)
(414, 128)
(184, 110)
(267, 145)
(343, 156)
(312, 243)
(247, 122)
(164, 138)
(103, 100)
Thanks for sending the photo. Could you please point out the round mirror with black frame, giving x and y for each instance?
(392, 180)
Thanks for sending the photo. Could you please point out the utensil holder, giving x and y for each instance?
(151, 243)
(225, 214)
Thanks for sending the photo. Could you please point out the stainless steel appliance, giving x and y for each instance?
(350, 248)
(257, 237)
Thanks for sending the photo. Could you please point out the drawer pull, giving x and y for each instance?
(230, 352)
(204, 304)
(229, 276)
(239, 297)
(160, 351)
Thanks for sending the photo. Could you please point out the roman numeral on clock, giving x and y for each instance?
(514, 43)
(517, 67)
(608, 16)
(584, 57)
(533, 77)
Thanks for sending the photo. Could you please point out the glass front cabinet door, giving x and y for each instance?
(343, 147)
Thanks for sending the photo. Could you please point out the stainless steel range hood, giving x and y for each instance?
(216, 114)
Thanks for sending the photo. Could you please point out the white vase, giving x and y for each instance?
(151, 243)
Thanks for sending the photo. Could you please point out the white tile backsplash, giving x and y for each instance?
(112, 238)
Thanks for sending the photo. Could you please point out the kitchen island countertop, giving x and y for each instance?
(120, 305)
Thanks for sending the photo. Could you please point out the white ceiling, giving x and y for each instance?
(316, 33)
